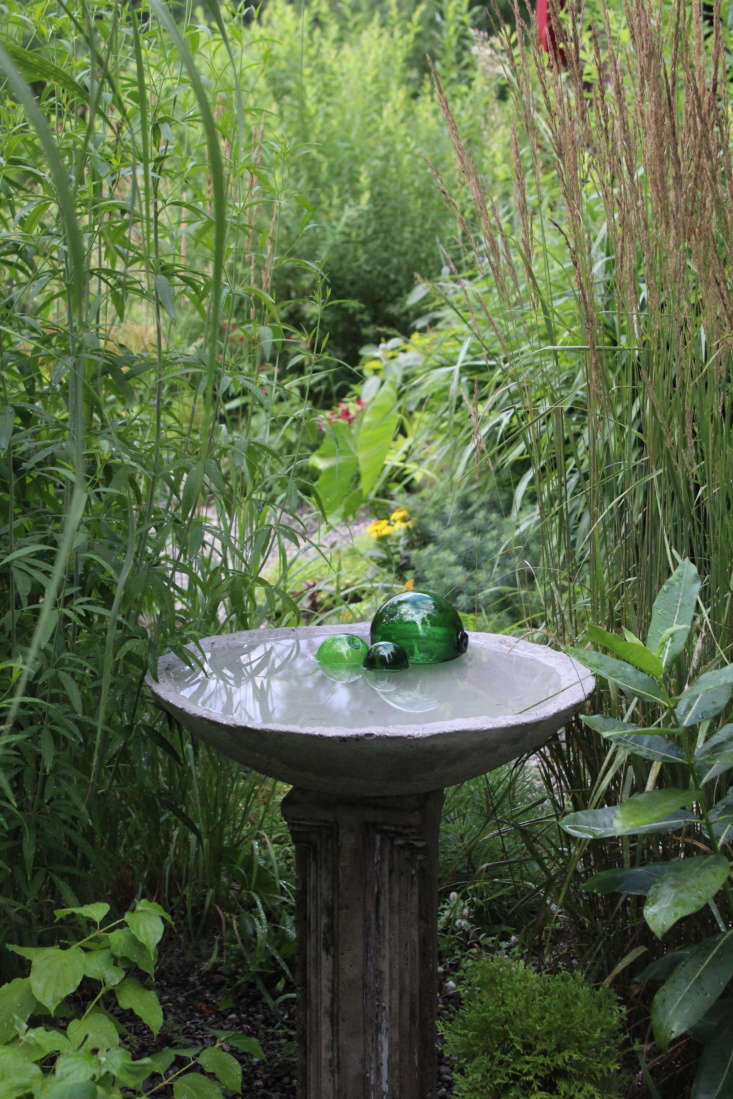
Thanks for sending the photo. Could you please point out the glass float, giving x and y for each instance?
(426, 626)
(342, 652)
(385, 654)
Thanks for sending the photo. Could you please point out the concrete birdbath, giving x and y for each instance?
(368, 755)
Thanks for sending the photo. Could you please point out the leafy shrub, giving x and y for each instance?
(470, 546)
(374, 216)
(681, 760)
(524, 1035)
(52, 1046)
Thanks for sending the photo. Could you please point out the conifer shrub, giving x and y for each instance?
(524, 1035)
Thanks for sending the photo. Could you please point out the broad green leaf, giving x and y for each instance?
(55, 974)
(17, 1004)
(37, 1042)
(672, 613)
(242, 1042)
(195, 1086)
(339, 470)
(99, 965)
(633, 879)
(143, 1001)
(714, 1076)
(123, 944)
(128, 1072)
(17, 1073)
(226, 1068)
(151, 906)
(648, 747)
(601, 823)
(378, 425)
(146, 926)
(76, 1067)
(714, 756)
(721, 818)
(631, 681)
(706, 697)
(643, 809)
(687, 886)
(695, 985)
(95, 1031)
(95, 912)
(162, 1061)
(633, 652)
(75, 1089)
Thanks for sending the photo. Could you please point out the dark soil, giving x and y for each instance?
(199, 998)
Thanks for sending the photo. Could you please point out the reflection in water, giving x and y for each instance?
(281, 683)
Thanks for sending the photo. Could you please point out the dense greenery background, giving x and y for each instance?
(257, 267)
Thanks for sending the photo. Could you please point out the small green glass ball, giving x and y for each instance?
(343, 650)
(385, 655)
(426, 626)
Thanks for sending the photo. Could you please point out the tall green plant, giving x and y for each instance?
(602, 286)
(149, 447)
(685, 741)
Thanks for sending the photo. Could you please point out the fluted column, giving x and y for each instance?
(366, 944)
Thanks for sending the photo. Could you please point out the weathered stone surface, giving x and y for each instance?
(262, 698)
(367, 949)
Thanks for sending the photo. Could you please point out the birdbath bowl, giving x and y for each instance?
(368, 755)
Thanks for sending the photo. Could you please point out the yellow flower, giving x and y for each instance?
(409, 585)
(379, 528)
(401, 519)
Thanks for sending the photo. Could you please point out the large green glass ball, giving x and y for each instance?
(426, 626)
(343, 650)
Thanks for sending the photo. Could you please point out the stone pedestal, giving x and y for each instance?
(366, 943)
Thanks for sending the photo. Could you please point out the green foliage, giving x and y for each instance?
(598, 319)
(687, 740)
(61, 1034)
(467, 544)
(344, 91)
(154, 429)
(353, 455)
(524, 1035)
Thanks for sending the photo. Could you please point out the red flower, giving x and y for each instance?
(546, 31)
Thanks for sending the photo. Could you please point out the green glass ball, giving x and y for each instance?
(344, 650)
(426, 626)
(385, 655)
